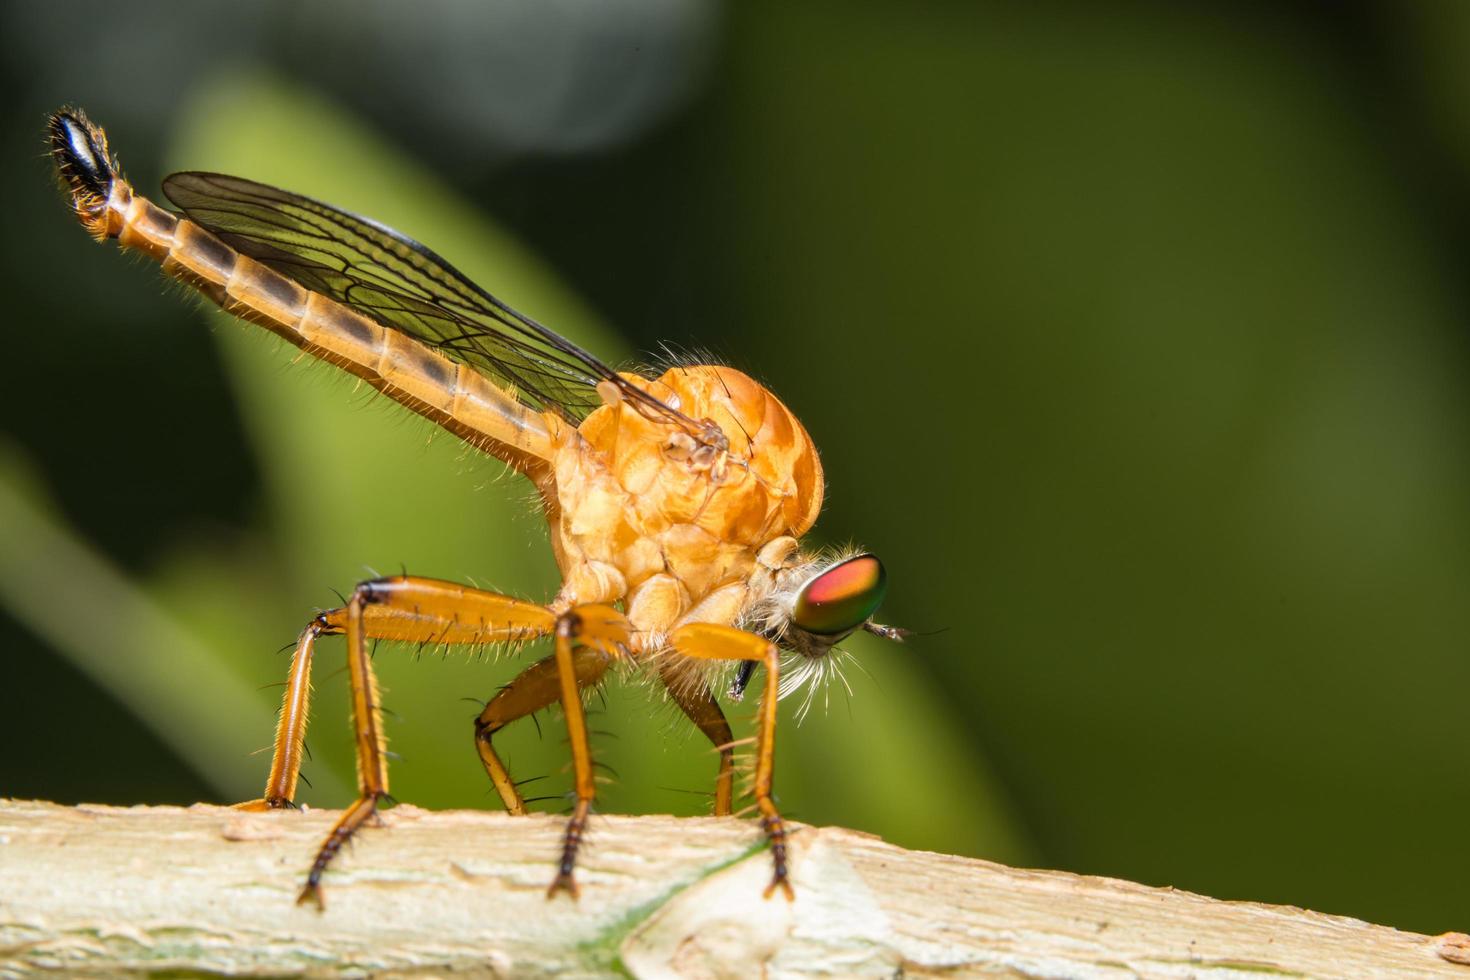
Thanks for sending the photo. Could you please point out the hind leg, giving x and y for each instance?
(404, 608)
(409, 609)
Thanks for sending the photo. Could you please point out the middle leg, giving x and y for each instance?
(604, 631)
(691, 693)
(536, 687)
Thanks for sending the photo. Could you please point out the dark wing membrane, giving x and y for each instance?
(403, 285)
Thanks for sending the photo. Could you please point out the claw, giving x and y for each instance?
(312, 892)
(779, 881)
(563, 883)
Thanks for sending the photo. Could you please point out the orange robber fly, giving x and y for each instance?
(675, 503)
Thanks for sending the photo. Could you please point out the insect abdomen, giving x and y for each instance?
(450, 393)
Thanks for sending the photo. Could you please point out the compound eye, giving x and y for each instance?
(842, 598)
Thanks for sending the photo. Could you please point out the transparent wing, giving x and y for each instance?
(402, 285)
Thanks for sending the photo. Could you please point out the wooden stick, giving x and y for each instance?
(111, 891)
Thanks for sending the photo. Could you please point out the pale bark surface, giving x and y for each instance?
(206, 890)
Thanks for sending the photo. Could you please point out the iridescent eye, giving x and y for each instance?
(842, 598)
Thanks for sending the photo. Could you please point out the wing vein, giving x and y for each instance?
(404, 286)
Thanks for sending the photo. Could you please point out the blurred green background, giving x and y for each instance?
(1136, 338)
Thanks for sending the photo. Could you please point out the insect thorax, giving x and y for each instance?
(678, 514)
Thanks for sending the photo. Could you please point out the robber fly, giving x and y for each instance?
(675, 503)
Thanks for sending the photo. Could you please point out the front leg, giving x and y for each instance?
(711, 641)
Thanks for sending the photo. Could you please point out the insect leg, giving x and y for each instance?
(400, 608)
(710, 641)
(372, 767)
(532, 689)
(290, 743)
(601, 629)
(411, 610)
(692, 695)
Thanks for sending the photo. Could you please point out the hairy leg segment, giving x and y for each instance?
(406, 609)
(708, 641)
(691, 693)
(429, 611)
(603, 630)
(536, 687)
